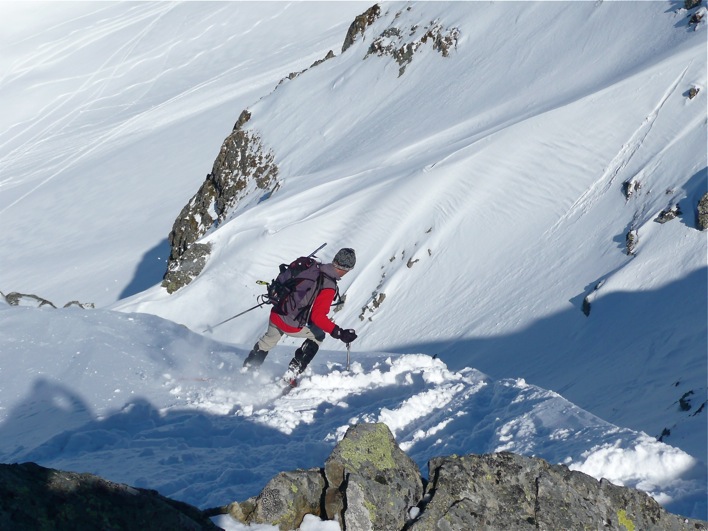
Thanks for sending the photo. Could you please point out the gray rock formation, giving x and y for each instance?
(372, 485)
(668, 214)
(27, 299)
(402, 43)
(41, 499)
(508, 491)
(702, 214)
(284, 501)
(23, 299)
(242, 167)
(632, 240)
(358, 27)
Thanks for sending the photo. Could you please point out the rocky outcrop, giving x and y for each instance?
(242, 167)
(358, 27)
(702, 213)
(27, 299)
(632, 240)
(284, 501)
(37, 498)
(668, 214)
(508, 491)
(402, 43)
(369, 484)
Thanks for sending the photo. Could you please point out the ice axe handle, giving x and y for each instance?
(313, 253)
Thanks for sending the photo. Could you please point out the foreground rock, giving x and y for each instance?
(37, 498)
(369, 484)
(508, 491)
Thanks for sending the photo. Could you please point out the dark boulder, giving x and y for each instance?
(41, 499)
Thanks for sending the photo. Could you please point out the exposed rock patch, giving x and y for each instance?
(358, 27)
(668, 214)
(284, 501)
(702, 213)
(243, 166)
(508, 491)
(27, 299)
(372, 482)
(371, 485)
(402, 44)
(34, 497)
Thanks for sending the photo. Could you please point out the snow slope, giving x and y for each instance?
(144, 401)
(482, 192)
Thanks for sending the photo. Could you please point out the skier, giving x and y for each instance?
(314, 330)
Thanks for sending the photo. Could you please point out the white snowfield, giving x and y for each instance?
(484, 193)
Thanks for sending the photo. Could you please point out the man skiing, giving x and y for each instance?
(316, 326)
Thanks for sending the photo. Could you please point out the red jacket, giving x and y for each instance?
(318, 316)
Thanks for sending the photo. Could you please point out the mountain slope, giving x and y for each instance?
(487, 203)
(479, 160)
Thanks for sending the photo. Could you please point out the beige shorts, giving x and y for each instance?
(274, 334)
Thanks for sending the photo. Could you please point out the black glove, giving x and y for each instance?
(347, 336)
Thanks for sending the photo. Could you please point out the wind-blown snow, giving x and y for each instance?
(146, 402)
(483, 195)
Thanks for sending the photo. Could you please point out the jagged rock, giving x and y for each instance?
(358, 27)
(182, 271)
(698, 16)
(629, 187)
(402, 45)
(693, 92)
(690, 4)
(37, 498)
(293, 75)
(508, 491)
(632, 241)
(23, 299)
(242, 119)
(668, 214)
(284, 501)
(243, 166)
(702, 217)
(372, 485)
(374, 478)
(83, 305)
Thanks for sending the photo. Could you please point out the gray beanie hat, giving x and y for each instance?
(344, 259)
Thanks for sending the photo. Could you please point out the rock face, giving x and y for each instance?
(508, 491)
(372, 483)
(27, 299)
(243, 166)
(358, 27)
(369, 483)
(702, 215)
(38, 499)
(284, 501)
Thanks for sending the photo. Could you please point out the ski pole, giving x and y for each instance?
(210, 328)
(348, 348)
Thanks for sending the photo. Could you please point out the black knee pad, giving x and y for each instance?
(309, 348)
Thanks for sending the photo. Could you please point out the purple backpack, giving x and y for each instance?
(295, 289)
